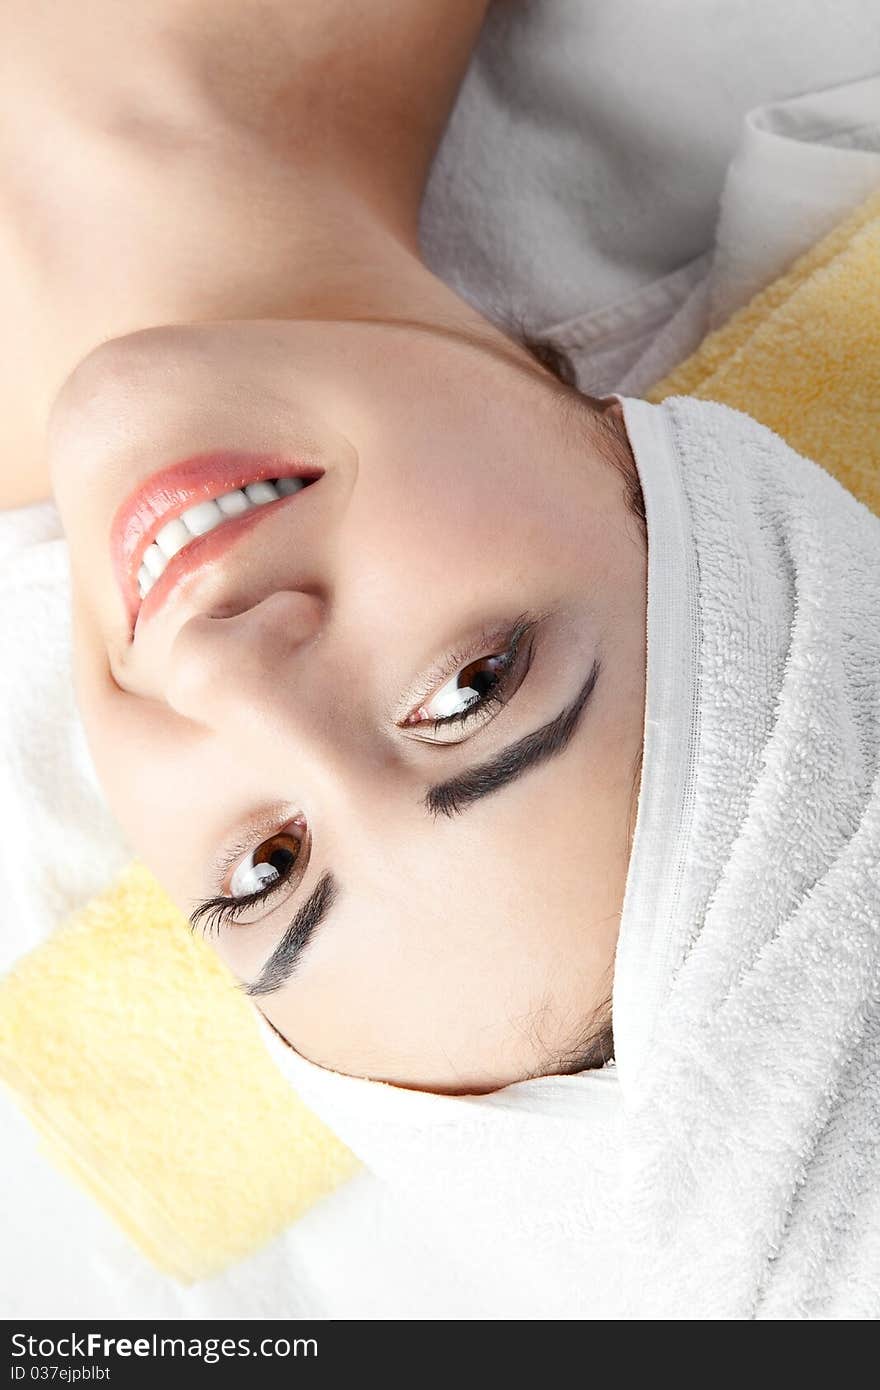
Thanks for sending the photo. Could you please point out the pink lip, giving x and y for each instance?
(166, 494)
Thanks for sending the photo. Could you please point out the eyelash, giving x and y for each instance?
(217, 911)
(498, 695)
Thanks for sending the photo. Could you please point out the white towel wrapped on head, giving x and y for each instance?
(725, 1167)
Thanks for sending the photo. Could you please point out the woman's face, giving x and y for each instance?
(445, 896)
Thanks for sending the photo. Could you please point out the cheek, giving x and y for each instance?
(444, 529)
(484, 985)
(453, 467)
(111, 732)
(135, 749)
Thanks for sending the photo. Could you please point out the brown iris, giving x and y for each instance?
(280, 851)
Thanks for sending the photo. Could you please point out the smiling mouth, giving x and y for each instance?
(204, 518)
(186, 514)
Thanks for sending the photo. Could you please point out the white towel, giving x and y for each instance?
(725, 1168)
(589, 143)
(799, 168)
(59, 841)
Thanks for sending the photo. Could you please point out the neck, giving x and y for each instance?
(252, 167)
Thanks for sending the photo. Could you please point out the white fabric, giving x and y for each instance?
(556, 197)
(590, 141)
(747, 1007)
(59, 842)
(799, 168)
(352, 1256)
(799, 163)
(726, 1168)
(515, 1190)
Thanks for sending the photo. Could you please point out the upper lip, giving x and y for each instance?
(167, 493)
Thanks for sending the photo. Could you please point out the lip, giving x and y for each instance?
(167, 493)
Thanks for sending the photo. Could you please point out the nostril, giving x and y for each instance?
(286, 617)
(228, 665)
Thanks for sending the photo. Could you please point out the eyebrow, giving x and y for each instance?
(447, 798)
(450, 798)
(283, 960)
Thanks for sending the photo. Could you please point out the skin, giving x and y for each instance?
(234, 262)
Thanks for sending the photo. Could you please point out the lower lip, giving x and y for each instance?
(197, 553)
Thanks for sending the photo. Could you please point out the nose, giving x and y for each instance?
(255, 678)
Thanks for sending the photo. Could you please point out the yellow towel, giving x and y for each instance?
(803, 357)
(138, 1057)
(127, 1041)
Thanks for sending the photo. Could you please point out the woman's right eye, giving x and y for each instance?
(262, 873)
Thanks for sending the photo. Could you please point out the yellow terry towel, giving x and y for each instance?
(128, 1042)
(138, 1057)
(803, 357)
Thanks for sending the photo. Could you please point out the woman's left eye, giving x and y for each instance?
(474, 689)
(469, 686)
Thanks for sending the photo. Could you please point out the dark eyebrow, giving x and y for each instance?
(446, 798)
(283, 960)
(453, 796)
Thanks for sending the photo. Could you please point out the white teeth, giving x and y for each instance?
(233, 503)
(260, 493)
(173, 537)
(201, 518)
(154, 561)
(204, 517)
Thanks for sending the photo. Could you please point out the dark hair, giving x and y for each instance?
(557, 361)
(594, 1045)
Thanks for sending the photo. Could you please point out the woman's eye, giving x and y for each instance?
(477, 690)
(472, 685)
(275, 859)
